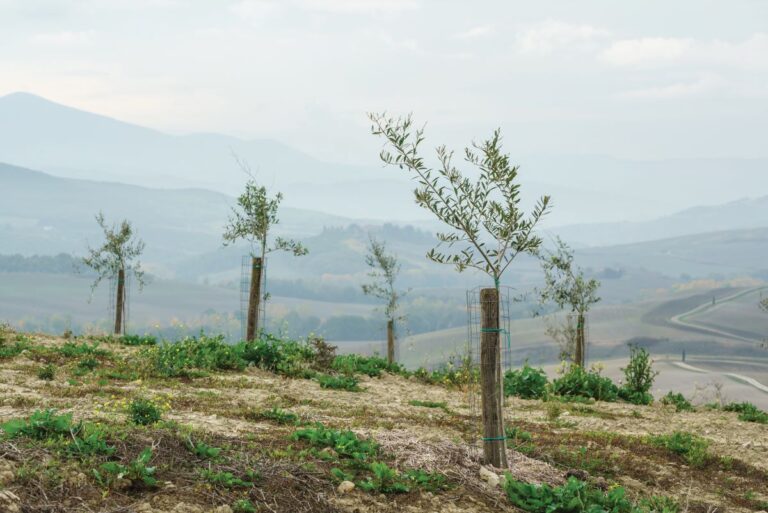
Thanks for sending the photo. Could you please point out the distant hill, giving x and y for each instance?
(43, 214)
(736, 215)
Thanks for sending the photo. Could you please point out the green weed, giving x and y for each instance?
(527, 383)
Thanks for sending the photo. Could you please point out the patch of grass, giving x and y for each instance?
(452, 374)
(748, 412)
(677, 400)
(429, 404)
(351, 364)
(74, 350)
(203, 450)
(280, 416)
(138, 340)
(192, 354)
(691, 447)
(344, 443)
(46, 372)
(383, 480)
(527, 383)
(243, 506)
(228, 479)
(349, 383)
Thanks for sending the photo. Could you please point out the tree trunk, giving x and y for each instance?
(391, 341)
(494, 437)
(120, 302)
(580, 342)
(254, 298)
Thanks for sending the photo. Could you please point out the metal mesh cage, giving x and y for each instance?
(245, 291)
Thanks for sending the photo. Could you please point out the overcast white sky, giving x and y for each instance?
(640, 79)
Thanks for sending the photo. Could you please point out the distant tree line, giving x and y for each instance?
(62, 263)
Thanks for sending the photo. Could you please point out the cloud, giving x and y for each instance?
(548, 36)
(647, 50)
(476, 32)
(659, 52)
(63, 38)
(360, 6)
(704, 86)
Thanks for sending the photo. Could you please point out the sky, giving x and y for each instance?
(634, 79)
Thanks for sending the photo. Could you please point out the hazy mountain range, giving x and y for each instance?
(43, 135)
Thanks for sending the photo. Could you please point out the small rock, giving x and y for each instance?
(492, 478)
(346, 487)
(169, 485)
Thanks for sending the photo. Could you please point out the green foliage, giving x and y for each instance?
(483, 216)
(41, 425)
(429, 404)
(287, 357)
(691, 447)
(348, 383)
(372, 366)
(577, 382)
(427, 481)
(228, 479)
(280, 416)
(345, 443)
(138, 340)
(748, 412)
(576, 497)
(74, 350)
(118, 252)
(46, 372)
(137, 472)
(243, 506)
(639, 376)
(528, 383)
(384, 480)
(678, 400)
(144, 412)
(7, 350)
(192, 354)
(384, 270)
(254, 217)
(203, 450)
(87, 364)
(450, 374)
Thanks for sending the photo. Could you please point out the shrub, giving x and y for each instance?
(450, 374)
(384, 480)
(577, 382)
(144, 412)
(338, 382)
(193, 353)
(573, 497)
(748, 412)
(345, 443)
(46, 372)
(372, 366)
(87, 364)
(691, 447)
(678, 401)
(287, 357)
(639, 376)
(528, 383)
(72, 350)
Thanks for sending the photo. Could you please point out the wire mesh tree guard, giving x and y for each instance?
(112, 308)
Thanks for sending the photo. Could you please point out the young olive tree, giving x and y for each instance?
(566, 287)
(486, 231)
(252, 221)
(118, 254)
(384, 270)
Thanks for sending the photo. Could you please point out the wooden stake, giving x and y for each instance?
(494, 437)
(579, 356)
(254, 298)
(120, 302)
(391, 341)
